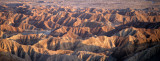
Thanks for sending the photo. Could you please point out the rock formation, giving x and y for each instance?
(57, 33)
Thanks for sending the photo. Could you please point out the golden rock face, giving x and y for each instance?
(34, 31)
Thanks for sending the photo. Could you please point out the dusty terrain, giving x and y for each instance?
(86, 31)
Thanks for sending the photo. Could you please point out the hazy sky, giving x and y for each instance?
(110, 4)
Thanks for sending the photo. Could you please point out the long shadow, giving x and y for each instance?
(30, 54)
(36, 56)
(146, 25)
(76, 45)
(28, 40)
(122, 53)
(79, 46)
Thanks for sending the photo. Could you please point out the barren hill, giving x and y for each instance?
(63, 33)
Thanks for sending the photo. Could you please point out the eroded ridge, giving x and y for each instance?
(57, 33)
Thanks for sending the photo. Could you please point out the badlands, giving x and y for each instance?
(80, 30)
